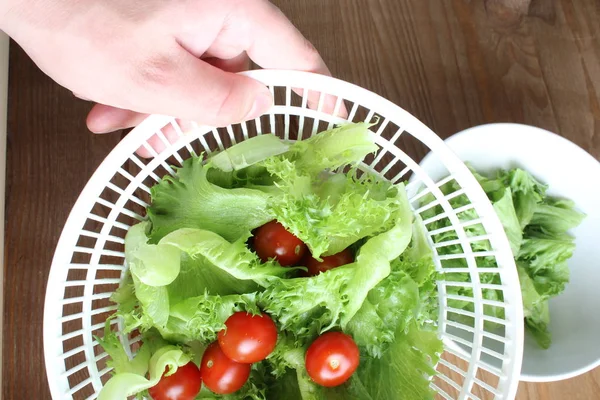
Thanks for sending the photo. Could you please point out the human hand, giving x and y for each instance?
(138, 57)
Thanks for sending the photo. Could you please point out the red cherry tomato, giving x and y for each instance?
(184, 384)
(315, 267)
(272, 240)
(332, 358)
(248, 338)
(221, 374)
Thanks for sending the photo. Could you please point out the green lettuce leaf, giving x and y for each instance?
(249, 152)
(189, 200)
(405, 370)
(331, 213)
(337, 147)
(505, 209)
(535, 309)
(235, 259)
(373, 260)
(537, 228)
(527, 193)
(389, 306)
(129, 377)
(201, 318)
(309, 306)
(555, 217)
(152, 264)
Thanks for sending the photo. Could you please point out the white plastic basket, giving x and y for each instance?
(89, 259)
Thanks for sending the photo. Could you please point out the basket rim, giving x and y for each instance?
(294, 79)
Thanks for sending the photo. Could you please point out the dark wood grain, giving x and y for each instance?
(51, 155)
(452, 63)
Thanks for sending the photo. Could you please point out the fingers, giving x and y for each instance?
(274, 42)
(192, 89)
(236, 64)
(104, 119)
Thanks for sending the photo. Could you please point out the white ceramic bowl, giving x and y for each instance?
(572, 173)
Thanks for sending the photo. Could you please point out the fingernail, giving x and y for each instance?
(262, 104)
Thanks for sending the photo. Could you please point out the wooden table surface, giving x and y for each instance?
(452, 63)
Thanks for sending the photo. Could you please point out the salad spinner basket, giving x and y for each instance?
(480, 361)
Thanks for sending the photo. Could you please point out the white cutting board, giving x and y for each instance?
(3, 110)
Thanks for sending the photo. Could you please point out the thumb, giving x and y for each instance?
(192, 89)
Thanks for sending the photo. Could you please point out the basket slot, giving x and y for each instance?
(492, 286)
(382, 127)
(204, 145)
(453, 242)
(272, 116)
(95, 282)
(449, 381)
(353, 112)
(453, 270)
(168, 142)
(315, 126)
(460, 312)
(456, 339)
(108, 267)
(179, 132)
(286, 117)
(231, 135)
(110, 238)
(369, 116)
(97, 296)
(105, 371)
(217, 138)
(304, 94)
(79, 386)
(154, 155)
(436, 202)
(102, 252)
(71, 335)
(123, 211)
(120, 192)
(140, 185)
(452, 367)
(70, 353)
(257, 122)
(439, 391)
(485, 386)
(494, 303)
(467, 285)
(445, 215)
(104, 221)
(125, 174)
(336, 110)
(468, 254)
(427, 190)
(451, 228)
(142, 167)
(72, 317)
(101, 356)
(75, 369)
(400, 175)
(378, 158)
(493, 353)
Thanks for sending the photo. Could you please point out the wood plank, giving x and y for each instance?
(51, 155)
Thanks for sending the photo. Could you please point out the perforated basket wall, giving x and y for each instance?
(481, 360)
